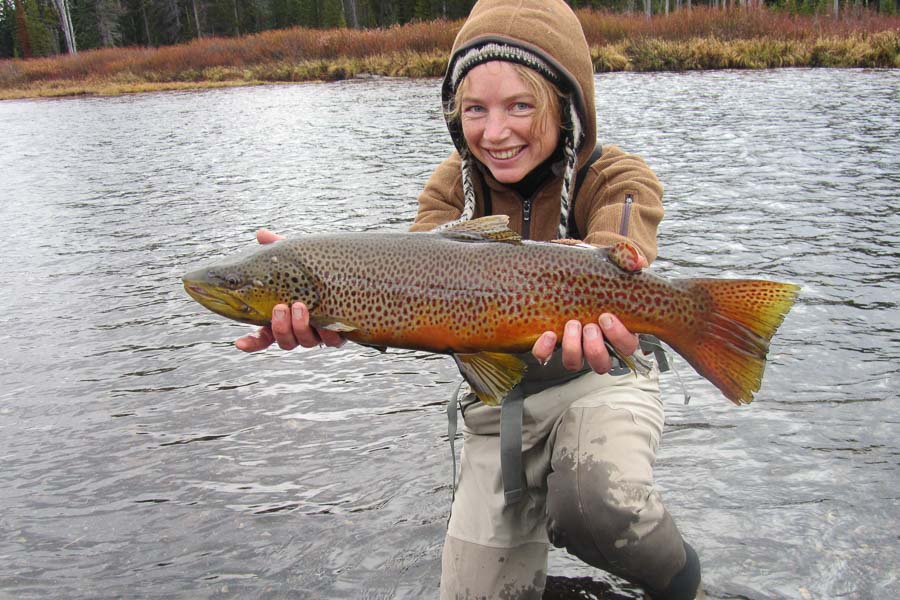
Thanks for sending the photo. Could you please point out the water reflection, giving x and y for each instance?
(143, 455)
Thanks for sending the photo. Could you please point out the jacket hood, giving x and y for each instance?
(544, 29)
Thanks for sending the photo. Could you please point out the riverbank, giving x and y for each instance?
(687, 40)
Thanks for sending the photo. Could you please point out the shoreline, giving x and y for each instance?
(277, 57)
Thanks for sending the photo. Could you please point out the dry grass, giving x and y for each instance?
(654, 54)
(697, 39)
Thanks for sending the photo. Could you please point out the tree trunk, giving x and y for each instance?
(648, 8)
(197, 18)
(109, 14)
(350, 14)
(65, 23)
(22, 29)
(146, 23)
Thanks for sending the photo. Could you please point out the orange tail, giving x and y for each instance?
(729, 344)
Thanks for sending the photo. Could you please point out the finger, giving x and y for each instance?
(255, 342)
(282, 328)
(595, 352)
(305, 335)
(572, 355)
(625, 342)
(544, 346)
(264, 236)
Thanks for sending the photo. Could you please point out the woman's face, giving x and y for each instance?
(498, 114)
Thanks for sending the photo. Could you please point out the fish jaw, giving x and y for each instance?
(227, 302)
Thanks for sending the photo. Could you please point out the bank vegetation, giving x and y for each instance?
(702, 38)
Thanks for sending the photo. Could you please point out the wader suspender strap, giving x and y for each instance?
(452, 408)
(511, 445)
(510, 442)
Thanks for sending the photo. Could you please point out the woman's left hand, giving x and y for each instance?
(580, 344)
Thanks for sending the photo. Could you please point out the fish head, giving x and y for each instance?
(247, 286)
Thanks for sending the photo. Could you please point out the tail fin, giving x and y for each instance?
(730, 342)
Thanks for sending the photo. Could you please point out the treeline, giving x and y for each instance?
(39, 27)
(35, 28)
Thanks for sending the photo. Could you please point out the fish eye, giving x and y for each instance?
(232, 281)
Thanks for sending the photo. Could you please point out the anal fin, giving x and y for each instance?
(491, 375)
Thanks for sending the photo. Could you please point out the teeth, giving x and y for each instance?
(505, 154)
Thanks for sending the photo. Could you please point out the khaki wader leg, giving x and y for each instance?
(470, 571)
(602, 504)
(588, 452)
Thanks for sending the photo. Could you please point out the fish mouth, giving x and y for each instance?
(224, 302)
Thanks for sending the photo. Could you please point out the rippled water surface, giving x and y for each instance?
(143, 456)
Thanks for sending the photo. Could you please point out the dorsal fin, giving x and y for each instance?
(493, 228)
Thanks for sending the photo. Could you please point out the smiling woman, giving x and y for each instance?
(510, 118)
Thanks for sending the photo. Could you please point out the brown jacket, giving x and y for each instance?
(603, 213)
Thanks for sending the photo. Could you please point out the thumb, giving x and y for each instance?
(264, 236)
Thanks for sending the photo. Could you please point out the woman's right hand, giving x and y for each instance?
(290, 327)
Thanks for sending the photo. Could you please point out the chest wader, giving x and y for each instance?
(512, 406)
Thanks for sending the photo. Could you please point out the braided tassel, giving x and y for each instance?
(573, 138)
(468, 210)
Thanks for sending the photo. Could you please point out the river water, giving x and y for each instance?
(144, 457)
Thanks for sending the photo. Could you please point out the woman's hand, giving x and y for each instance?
(290, 327)
(586, 343)
(580, 344)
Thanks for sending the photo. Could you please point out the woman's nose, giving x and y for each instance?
(495, 128)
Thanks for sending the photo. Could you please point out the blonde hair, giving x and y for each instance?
(547, 99)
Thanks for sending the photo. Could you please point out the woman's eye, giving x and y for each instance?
(521, 107)
(473, 109)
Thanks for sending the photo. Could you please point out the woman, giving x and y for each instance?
(519, 102)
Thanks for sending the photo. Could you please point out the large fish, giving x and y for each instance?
(478, 292)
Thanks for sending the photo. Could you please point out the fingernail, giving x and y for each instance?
(572, 327)
(605, 321)
(297, 311)
(280, 312)
(591, 332)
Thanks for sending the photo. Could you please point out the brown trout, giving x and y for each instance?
(478, 292)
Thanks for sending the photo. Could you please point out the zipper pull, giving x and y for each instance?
(526, 211)
(626, 215)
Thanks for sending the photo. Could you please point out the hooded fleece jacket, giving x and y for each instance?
(620, 197)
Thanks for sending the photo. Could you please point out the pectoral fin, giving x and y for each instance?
(332, 324)
(490, 374)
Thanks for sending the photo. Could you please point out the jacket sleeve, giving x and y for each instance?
(441, 200)
(621, 198)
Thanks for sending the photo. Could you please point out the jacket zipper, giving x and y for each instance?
(526, 218)
(626, 215)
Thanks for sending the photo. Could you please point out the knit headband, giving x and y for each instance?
(572, 130)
